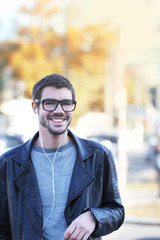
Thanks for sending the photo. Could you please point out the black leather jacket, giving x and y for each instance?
(93, 186)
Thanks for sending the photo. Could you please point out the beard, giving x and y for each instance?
(45, 122)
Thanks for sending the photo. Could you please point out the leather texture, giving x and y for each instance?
(93, 186)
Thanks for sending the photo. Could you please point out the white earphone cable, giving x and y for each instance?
(53, 187)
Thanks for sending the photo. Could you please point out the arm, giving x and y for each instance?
(101, 197)
(110, 215)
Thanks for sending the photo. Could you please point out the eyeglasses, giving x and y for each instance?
(49, 104)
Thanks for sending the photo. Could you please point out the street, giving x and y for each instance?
(135, 232)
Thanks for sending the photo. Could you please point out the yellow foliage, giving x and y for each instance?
(31, 63)
(80, 53)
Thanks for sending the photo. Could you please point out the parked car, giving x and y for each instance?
(9, 141)
(109, 141)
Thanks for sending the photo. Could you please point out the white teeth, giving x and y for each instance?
(57, 120)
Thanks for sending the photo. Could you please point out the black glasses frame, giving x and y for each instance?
(57, 102)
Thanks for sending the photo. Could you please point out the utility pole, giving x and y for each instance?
(116, 105)
(65, 14)
(121, 100)
(121, 104)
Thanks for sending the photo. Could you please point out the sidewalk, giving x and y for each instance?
(139, 197)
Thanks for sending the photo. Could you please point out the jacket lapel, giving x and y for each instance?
(27, 183)
(25, 179)
(79, 181)
(81, 176)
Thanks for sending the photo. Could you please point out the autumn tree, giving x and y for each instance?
(6, 49)
(80, 52)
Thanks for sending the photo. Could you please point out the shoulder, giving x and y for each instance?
(99, 154)
(95, 146)
(20, 150)
(90, 144)
(11, 151)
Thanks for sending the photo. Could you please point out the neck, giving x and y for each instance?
(52, 141)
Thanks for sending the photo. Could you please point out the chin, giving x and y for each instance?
(60, 132)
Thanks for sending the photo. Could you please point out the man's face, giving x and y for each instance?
(57, 121)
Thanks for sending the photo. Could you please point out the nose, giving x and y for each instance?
(59, 108)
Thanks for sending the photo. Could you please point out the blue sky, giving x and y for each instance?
(8, 11)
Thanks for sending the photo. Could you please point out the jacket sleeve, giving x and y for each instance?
(4, 216)
(110, 215)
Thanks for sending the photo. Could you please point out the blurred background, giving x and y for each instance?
(110, 51)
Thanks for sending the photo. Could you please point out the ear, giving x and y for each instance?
(34, 107)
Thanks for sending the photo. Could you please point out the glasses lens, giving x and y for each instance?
(49, 105)
(68, 106)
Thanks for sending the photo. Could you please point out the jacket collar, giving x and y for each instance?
(83, 151)
(23, 156)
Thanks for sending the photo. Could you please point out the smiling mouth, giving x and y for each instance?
(57, 120)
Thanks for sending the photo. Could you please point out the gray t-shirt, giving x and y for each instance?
(54, 193)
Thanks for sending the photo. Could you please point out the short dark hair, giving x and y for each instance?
(55, 80)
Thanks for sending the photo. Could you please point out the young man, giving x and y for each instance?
(57, 186)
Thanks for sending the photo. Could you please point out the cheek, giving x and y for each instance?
(42, 113)
(42, 118)
(70, 115)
